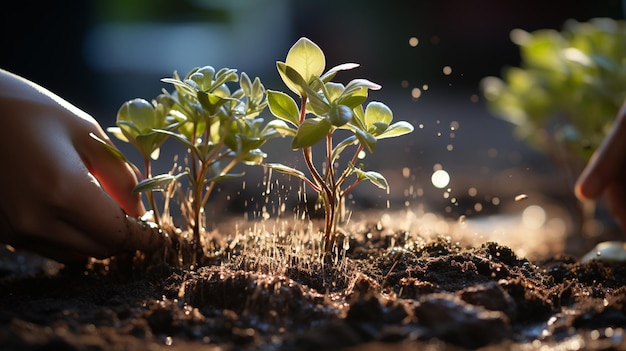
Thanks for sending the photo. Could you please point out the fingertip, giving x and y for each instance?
(143, 235)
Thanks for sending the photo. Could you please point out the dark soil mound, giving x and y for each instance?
(432, 293)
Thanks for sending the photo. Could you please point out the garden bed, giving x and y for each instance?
(391, 290)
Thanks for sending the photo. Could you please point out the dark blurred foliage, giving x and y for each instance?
(43, 40)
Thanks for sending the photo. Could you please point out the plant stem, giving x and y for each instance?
(150, 193)
(327, 193)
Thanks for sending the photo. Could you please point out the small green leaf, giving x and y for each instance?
(307, 59)
(351, 140)
(396, 129)
(285, 169)
(358, 84)
(246, 84)
(283, 106)
(227, 176)
(294, 81)
(310, 132)
(333, 71)
(115, 152)
(253, 157)
(366, 139)
(340, 115)
(377, 112)
(180, 138)
(180, 85)
(279, 126)
(374, 177)
(157, 183)
(117, 132)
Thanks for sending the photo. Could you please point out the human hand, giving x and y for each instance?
(606, 172)
(62, 194)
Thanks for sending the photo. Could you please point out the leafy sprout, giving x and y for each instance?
(324, 108)
(219, 129)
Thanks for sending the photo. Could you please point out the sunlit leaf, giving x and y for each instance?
(285, 169)
(279, 126)
(310, 132)
(377, 112)
(337, 150)
(366, 139)
(333, 71)
(227, 176)
(396, 129)
(157, 183)
(340, 115)
(292, 79)
(307, 59)
(283, 106)
(374, 177)
(117, 132)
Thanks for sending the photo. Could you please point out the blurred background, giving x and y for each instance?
(429, 56)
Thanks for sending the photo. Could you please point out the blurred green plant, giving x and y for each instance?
(567, 91)
(325, 108)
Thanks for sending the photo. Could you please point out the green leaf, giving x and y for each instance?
(279, 167)
(117, 132)
(333, 71)
(278, 126)
(182, 139)
(366, 139)
(180, 85)
(157, 183)
(351, 140)
(374, 177)
(114, 151)
(340, 115)
(310, 132)
(253, 157)
(294, 81)
(227, 176)
(396, 129)
(246, 84)
(307, 59)
(358, 84)
(377, 112)
(283, 106)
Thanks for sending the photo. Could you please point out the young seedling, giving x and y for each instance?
(326, 107)
(217, 128)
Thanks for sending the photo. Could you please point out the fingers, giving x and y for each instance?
(95, 213)
(607, 162)
(84, 218)
(113, 174)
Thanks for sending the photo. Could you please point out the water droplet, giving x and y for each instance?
(521, 197)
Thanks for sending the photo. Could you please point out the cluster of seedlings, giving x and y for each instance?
(221, 125)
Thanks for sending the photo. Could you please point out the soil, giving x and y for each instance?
(388, 291)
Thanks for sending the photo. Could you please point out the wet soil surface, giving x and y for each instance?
(386, 293)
